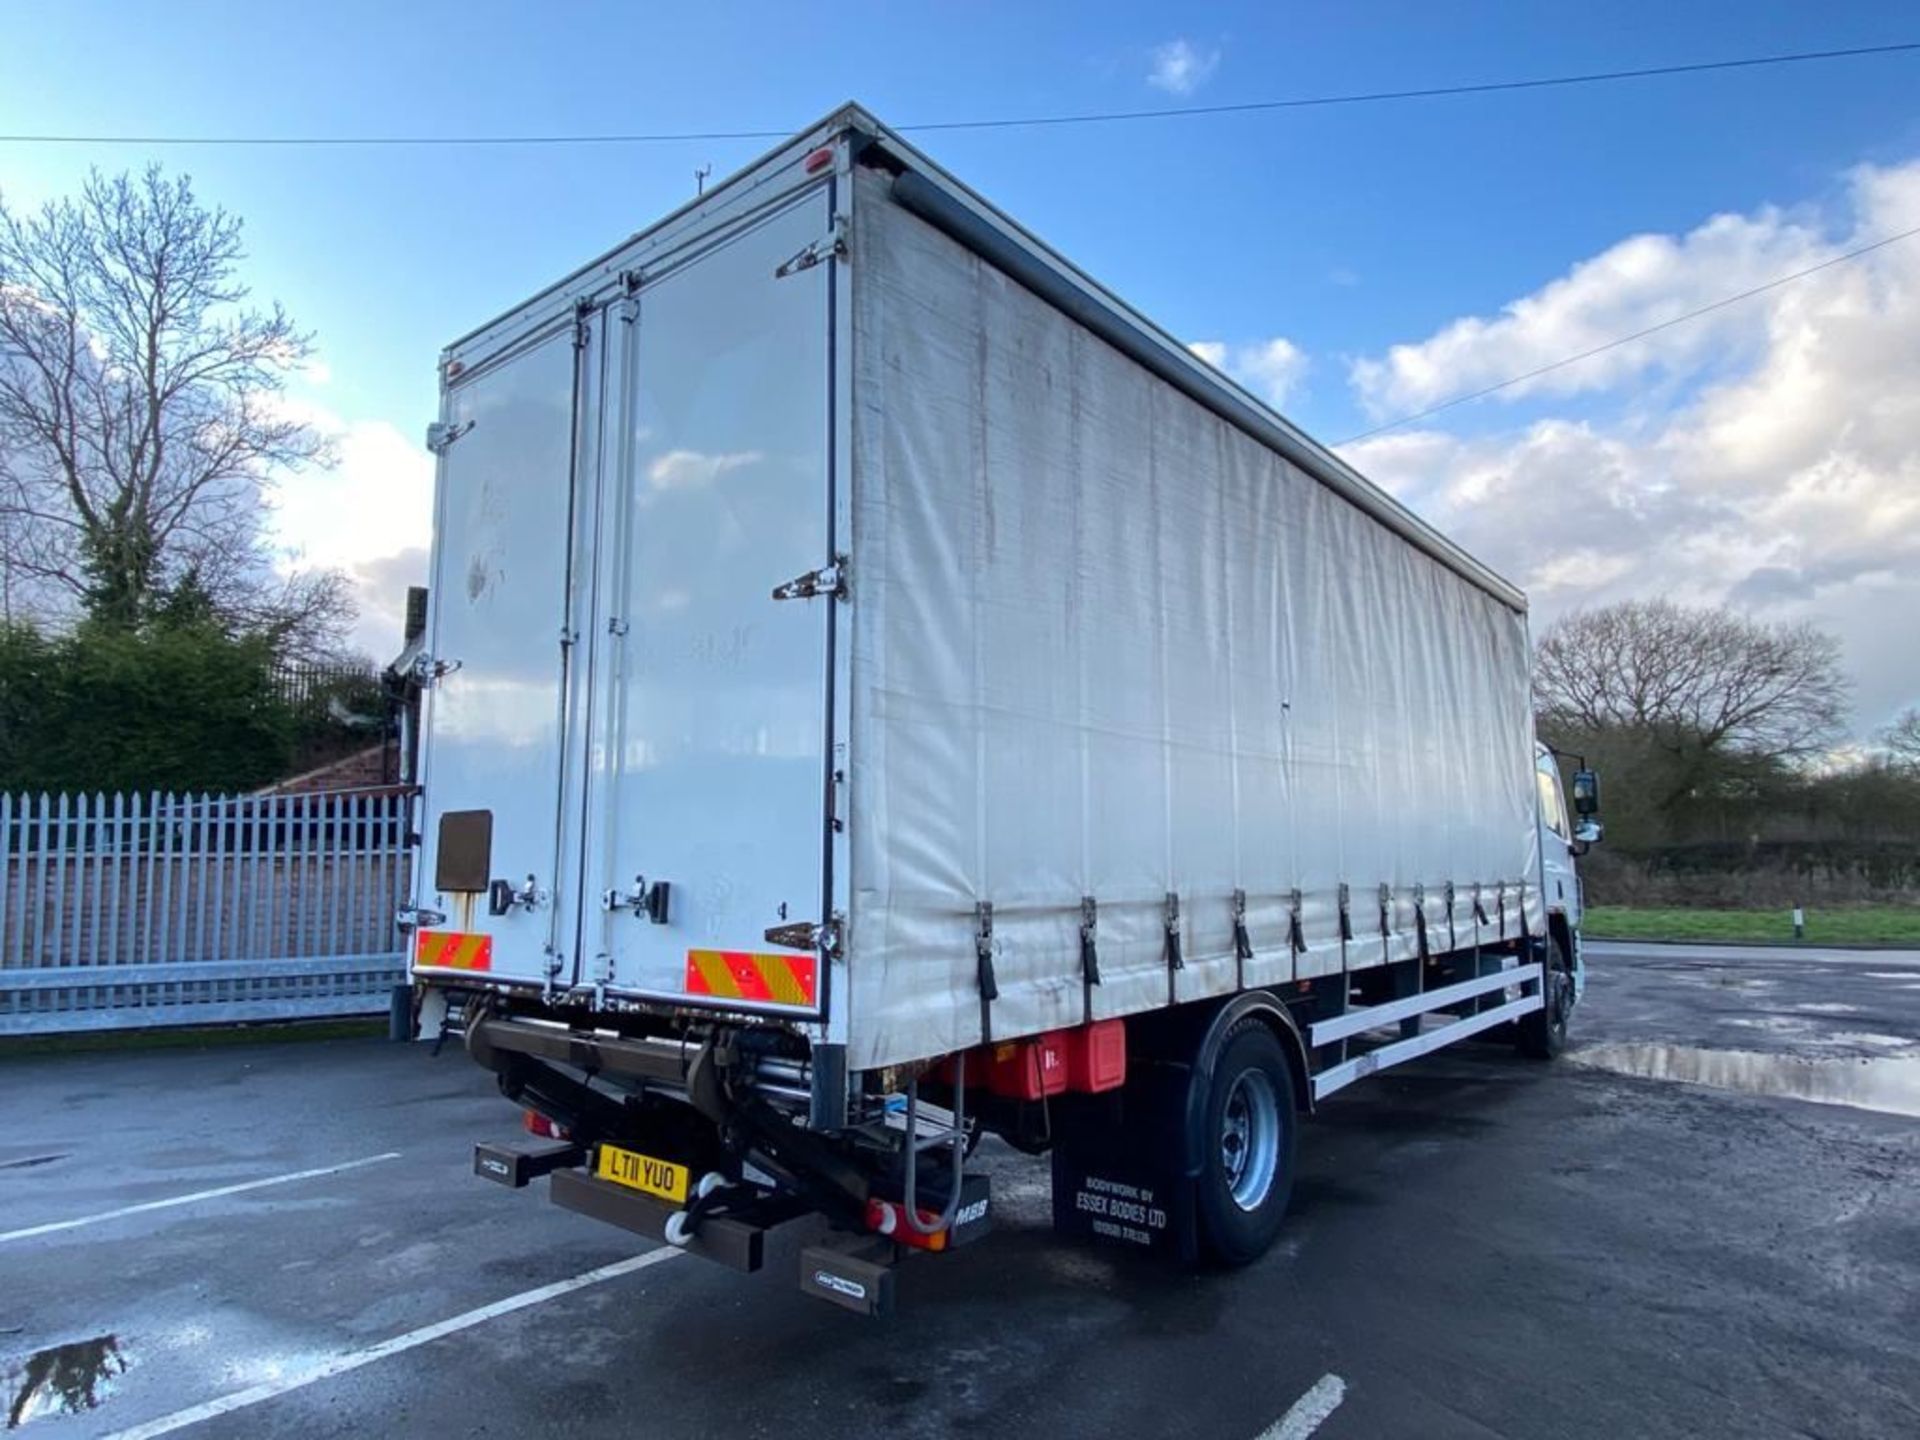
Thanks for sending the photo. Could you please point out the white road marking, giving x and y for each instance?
(346, 1360)
(1309, 1412)
(54, 1226)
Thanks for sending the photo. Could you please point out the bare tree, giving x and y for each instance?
(1902, 739)
(140, 414)
(1700, 680)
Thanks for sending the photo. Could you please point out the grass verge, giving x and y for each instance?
(1845, 925)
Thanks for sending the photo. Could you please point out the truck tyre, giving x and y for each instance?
(1543, 1034)
(1247, 1146)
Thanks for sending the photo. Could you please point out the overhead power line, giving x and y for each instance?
(1426, 93)
(993, 123)
(1620, 340)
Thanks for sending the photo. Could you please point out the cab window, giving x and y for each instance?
(1553, 809)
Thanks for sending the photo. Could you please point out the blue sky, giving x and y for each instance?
(1341, 231)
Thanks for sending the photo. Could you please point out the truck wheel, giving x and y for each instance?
(1247, 1146)
(1543, 1034)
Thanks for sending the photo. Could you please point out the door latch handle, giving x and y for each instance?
(651, 901)
(502, 896)
(658, 895)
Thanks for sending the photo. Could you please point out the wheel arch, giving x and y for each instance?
(1559, 928)
(1193, 1036)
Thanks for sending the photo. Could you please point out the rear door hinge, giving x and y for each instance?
(805, 935)
(426, 670)
(831, 580)
(442, 433)
(831, 246)
(417, 917)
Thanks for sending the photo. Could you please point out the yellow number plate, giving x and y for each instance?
(630, 1168)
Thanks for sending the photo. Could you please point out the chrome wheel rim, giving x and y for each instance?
(1250, 1138)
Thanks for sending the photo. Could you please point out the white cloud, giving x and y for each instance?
(1269, 368)
(380, 585)
(1272, 367)
(1767, 456)
(371, 516)
(691, 469)
(1642, 281)
(1181, 67)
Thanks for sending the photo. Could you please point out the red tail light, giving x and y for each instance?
(884, 1217)
(538, 1124)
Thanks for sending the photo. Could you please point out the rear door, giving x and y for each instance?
(495, 771)
(707, 816)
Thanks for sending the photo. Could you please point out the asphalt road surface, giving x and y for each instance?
(286, 1241)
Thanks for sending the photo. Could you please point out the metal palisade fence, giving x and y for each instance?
(119, 911)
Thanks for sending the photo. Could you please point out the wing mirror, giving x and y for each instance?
(1586, 793)
(1588, 832)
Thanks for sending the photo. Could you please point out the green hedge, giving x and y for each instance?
(168, 707)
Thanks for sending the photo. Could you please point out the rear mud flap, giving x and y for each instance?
(854, 1272)
(1118, 1172)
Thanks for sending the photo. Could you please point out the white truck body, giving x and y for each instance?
(1113, 644)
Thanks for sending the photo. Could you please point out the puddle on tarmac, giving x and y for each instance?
(1872, 1082)
(63, 1379)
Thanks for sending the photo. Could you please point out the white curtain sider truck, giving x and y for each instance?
(881, 690)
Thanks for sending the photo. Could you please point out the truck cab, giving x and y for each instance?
(1564, 836)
